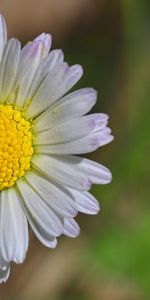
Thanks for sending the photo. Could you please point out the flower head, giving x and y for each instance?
(41, 130)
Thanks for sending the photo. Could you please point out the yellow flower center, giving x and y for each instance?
(15, 145)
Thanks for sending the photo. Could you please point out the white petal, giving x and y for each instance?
(38, 212)
(55, 196)
(13, 227)
(4, 274)
(46, 39)
(8, 68)
(43, 236)
(41, 233)
(104, 122)
(103, 136)
(29, 53)
(4, 269)
(71, 228)
(86, 144)
(3, 35)
(67, 108)
(3, 263)
(86, 203)
(58, 82)
(31, 56)
(69, 131)
(76, 172)
(55, 57)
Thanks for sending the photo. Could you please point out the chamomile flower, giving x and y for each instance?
(42, 182)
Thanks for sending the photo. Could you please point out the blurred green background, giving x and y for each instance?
(111, 258)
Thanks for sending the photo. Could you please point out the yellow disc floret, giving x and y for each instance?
(15, 145)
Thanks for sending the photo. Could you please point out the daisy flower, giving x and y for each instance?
(42, 182)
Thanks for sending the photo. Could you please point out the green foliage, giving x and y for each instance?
(125, 254)
(123, 250)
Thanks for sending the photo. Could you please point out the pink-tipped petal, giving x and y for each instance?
(46, 40)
